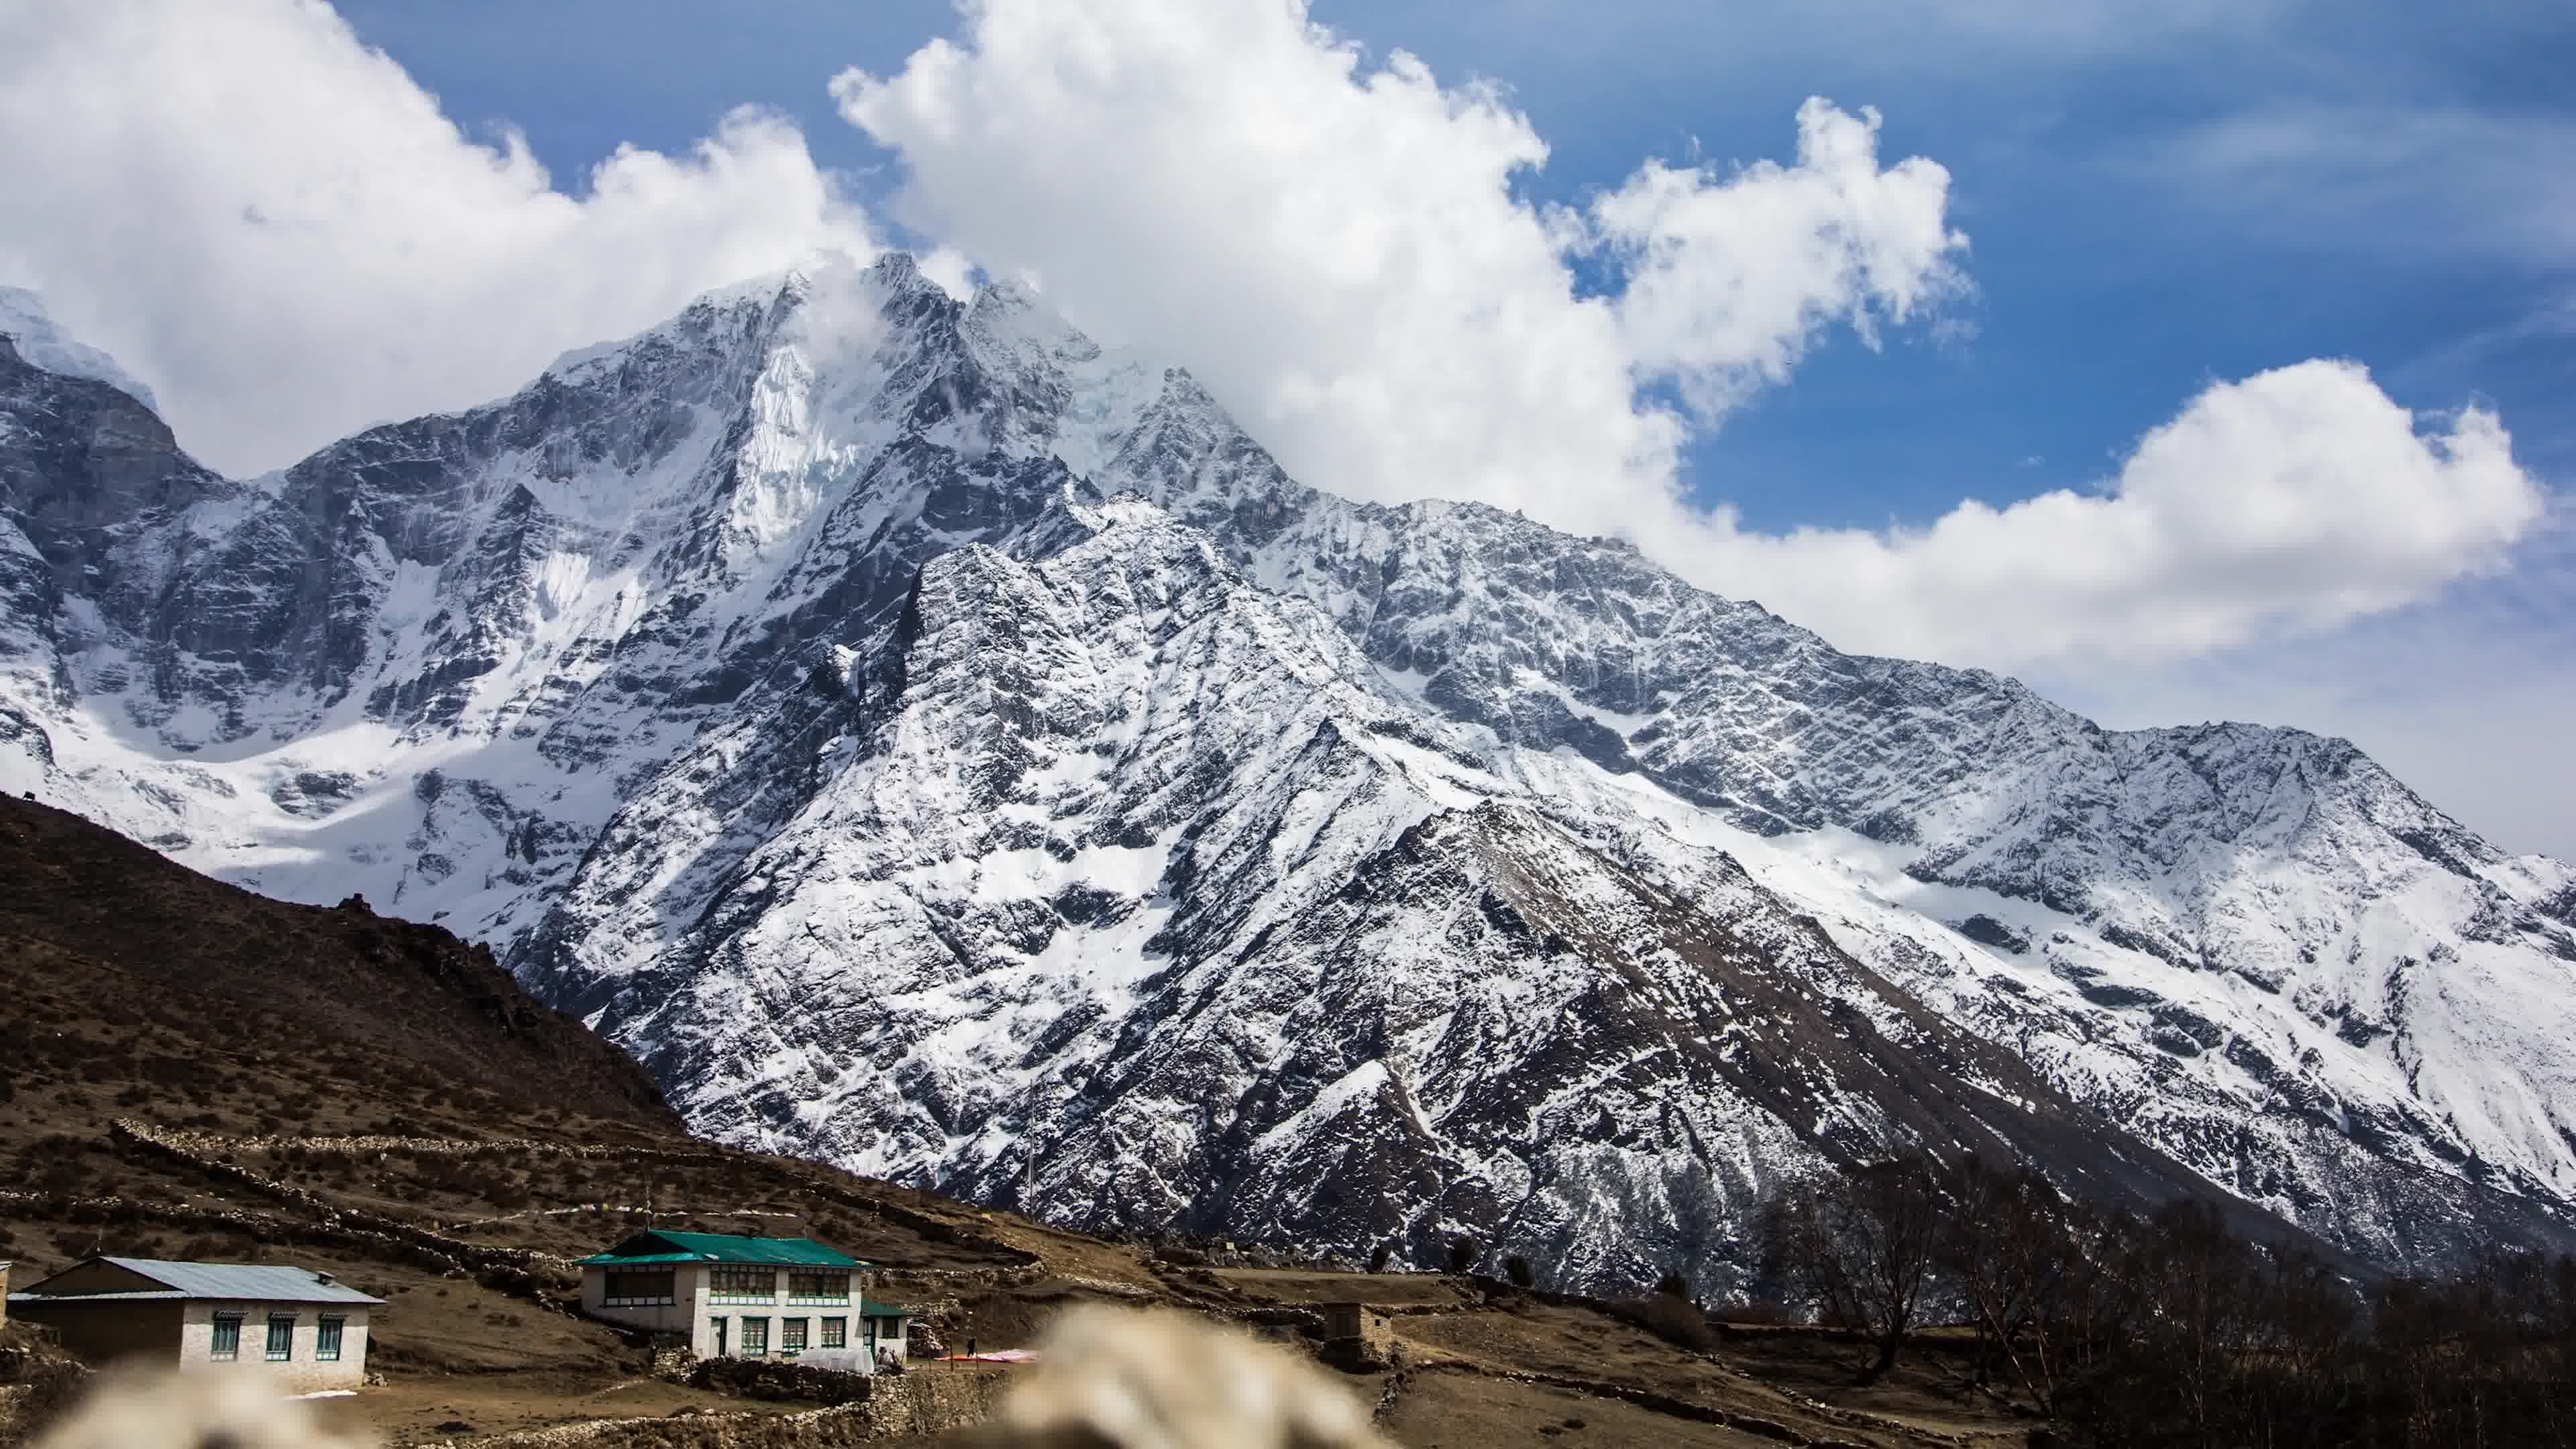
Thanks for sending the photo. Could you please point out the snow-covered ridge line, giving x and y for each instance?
(32, 331)
(937, 743)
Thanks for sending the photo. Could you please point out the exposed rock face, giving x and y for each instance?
(932, 742)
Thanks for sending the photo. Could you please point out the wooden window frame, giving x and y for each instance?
(667, 1279)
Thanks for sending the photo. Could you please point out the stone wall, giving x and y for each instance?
(922, 1402)
(205, 1152)
(522, 1272)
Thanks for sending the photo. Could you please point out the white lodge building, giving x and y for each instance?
(291, 1327)
(738, 1297)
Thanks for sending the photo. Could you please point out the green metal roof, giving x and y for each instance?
(666, 1247)
(870, 1308)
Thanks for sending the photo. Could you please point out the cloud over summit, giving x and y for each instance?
(285, 234)
(1337, 248)
(275, 226)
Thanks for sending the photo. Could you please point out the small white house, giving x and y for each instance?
(292, 1327)
(739, 1297)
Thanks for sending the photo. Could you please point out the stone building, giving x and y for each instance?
(741, 1297)
(296, 1328)
(1358, 1340)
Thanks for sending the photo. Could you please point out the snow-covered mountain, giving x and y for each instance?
(933, 742)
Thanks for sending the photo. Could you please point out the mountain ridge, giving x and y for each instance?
(665, 605)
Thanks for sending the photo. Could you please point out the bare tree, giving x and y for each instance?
(2003, 1246)
(2297, 1344)
(2200, 1283)
(1862, 1248)
(2048, 1283)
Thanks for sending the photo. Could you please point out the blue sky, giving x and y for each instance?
(2116, 270)
(2111, 438)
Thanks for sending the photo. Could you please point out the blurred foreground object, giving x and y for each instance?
(163, 1410)
(1116, 1378)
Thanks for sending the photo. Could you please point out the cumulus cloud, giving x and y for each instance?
(2465, 696)
(275, 226)
(2302, 496)
(1728, 281)
(281, 232)
(1338, 249)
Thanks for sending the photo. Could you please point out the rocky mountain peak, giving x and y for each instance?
(937, 743)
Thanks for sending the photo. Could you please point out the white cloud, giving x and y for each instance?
(1337, 250)
(278, 229)
(951, 270)
(1339, 253)
(2466, 698)
(2301, 497)
(1728, 281)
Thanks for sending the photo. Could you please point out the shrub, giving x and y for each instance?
(1517, 1269)
(1671, 1319)
(1463, 1253)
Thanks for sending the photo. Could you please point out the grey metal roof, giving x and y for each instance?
(165, 1295)
(261, 1282)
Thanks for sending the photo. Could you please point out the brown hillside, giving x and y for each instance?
(128, 976)
(191, 1071)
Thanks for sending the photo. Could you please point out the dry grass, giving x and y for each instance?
(138, 990)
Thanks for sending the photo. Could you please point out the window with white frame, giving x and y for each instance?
(836, 1333)
(732, 1283)
(809, 1285)
(755, 1335)
(791, 1335)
